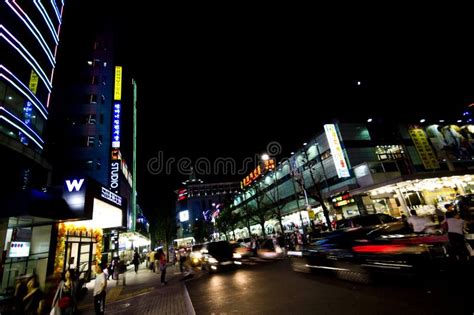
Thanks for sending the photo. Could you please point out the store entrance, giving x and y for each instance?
(79, 253)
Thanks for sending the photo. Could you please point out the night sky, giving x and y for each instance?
(232, 84)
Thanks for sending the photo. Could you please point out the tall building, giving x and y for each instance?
(197, 206)
(29, 37)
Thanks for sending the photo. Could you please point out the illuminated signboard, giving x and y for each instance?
(267, 165)
(116, 125)
(19, 249)
(182, 194)
(423, 147)
(114, 176)
(118, 83)
(184, 216)
(115, 154)
(336, 151)
(33, 84)
(110, 196)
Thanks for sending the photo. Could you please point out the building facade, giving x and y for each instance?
(360, 169)
(29, 37)
(199, 204)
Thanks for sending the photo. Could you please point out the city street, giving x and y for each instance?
(273, 288)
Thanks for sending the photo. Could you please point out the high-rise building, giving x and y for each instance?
(29, 36)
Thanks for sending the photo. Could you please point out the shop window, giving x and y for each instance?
(389, 152)
(326, 155)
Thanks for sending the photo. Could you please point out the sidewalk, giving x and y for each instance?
(142, 294)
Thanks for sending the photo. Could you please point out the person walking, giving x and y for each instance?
(136, 260)
(456, 235)
(162, 263)
(99, 290)
(65, 297)
(32, 301)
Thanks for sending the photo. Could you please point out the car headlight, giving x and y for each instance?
(212, 260)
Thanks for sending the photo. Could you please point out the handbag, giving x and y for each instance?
(64, 302)
(55, 310)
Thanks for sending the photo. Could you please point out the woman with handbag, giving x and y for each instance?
(65, 297)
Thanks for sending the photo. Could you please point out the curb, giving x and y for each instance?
(188, 302)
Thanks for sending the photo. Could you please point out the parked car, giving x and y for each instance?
(365, 220)
(357, 253)
(241, 251)
(217, 256)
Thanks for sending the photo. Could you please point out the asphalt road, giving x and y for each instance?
(274, 288)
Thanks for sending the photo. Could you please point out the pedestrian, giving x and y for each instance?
(456, 235)
(99, 290)
(136, 260)
(32, 301)
(65, 297)
(417, 224)
(162, 263)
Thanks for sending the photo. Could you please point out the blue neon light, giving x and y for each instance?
(27, 120)
(30, 60)
(56, 10)
(19, 128)
(21, 123)
(116, 125)
(33, 31)
(46, 18)
(25, 91)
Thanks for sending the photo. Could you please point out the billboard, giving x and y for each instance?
(452, 141)
(336, 151)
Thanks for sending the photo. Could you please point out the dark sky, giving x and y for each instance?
(226, 85)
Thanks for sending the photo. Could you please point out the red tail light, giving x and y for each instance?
(392, 248)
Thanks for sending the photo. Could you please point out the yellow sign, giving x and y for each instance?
(118, 83)
(33, 82)
(311, 214)
(423, 147)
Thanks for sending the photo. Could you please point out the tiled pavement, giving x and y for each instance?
(143, 294)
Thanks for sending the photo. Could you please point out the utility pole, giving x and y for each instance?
(134, 163)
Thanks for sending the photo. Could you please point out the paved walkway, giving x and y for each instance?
(142, 293)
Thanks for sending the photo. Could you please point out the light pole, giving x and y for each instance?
(134, 177)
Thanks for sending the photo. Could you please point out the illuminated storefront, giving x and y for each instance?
(80, 243)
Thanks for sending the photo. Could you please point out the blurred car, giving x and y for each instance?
(356, 253)
(365, 220)
(269, 249)
(217, 256)
(195, 256)
(241, 251)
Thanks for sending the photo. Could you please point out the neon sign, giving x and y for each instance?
(116, 125)
(267, 165)
(336, 151)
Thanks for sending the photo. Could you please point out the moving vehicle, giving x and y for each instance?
(217, 256)
(357, 253)
(365, 220)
